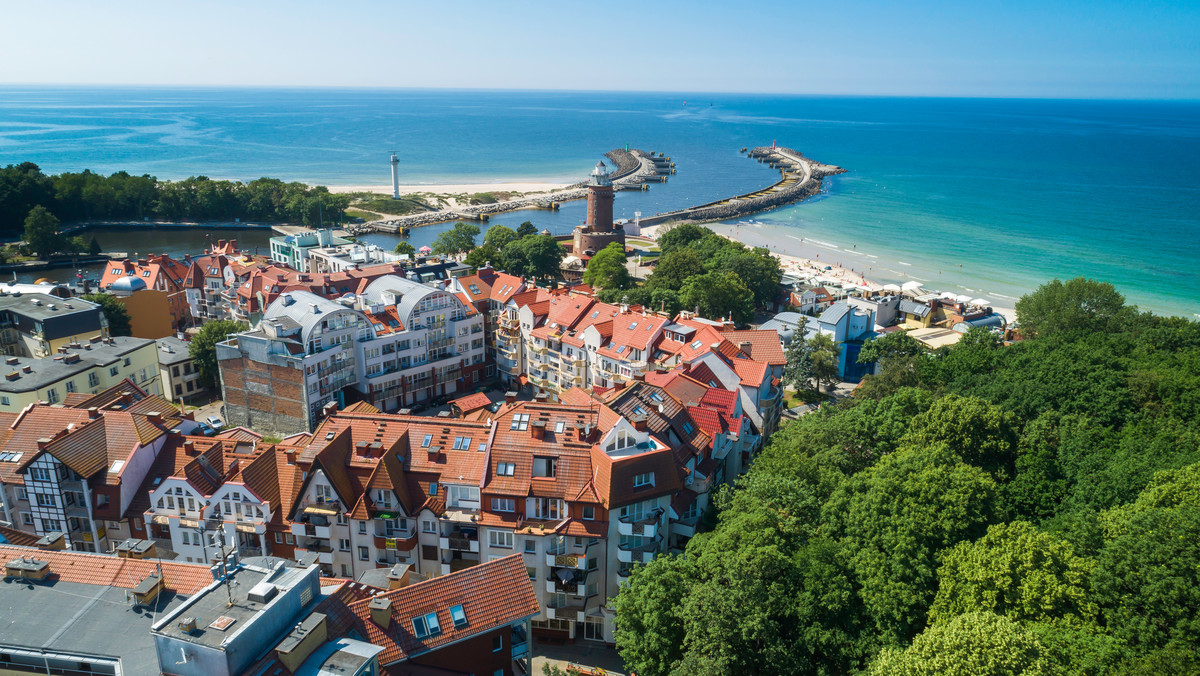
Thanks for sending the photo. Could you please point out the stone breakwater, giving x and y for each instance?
(633, 167)
(800, 178)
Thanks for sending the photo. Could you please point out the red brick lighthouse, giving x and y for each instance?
(598, 232)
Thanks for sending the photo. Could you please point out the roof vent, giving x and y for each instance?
(187, 625)
(262, 592)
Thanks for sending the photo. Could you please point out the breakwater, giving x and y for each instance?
(634, 169)
(799, 178)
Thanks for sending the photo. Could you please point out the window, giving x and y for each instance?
(39, 474)
(530, 546)
(425, 443)
(459, 616)
(462, 443)
(279, 538)
(500, 538)
(27, 518)
(644, 479)
(287, 537)
(560, 426)
(687, 427)
(114, 371)
(46, 500)
(51, 526)
(128, 361)
(362, 527)
(3, 401)
(426, 626)
(462, 496)
(52, 395)
(520, 421)
(433, 488)
(70, 386)
(344, 544)
(428, 527)
(505, 468)
(185, 538)
(532, 570)
(589, 513)
(497, 643)
(503, 505)
(364, 553)
(544, 466)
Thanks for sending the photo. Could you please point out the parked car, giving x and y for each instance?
(206, 429)
(215, 423)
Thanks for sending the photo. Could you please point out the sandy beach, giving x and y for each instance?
(454, 188)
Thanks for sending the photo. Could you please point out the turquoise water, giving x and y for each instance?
(995, 196)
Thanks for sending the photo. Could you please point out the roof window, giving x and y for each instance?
(459, 616)
(633, 326)
(505, 469)
(696, 345)
(462, 443)
(426, 625)
(426, 441)
(520, 421)
(687, 427)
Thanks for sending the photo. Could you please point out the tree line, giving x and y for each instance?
(519, 252)
(73, 197)
(984, 509)
(697, 270)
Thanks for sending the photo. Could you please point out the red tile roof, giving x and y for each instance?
(493, 595)
(107, 570)
(765, 346)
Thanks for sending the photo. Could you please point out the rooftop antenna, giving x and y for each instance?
(395, 160)
(225, 567)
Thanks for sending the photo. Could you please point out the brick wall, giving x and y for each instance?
(264, 397)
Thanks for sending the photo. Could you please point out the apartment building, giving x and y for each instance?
(79, 369)
(76, 469)
(293, 250)
(490, 292)
(396, 344)
(37, 324)
(178, 373)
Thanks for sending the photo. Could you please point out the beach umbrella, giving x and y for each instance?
(963, 298)
(895, 288)
(948, 295)
(911, 286)
(828, 267)
(980, 301)
(425, 249)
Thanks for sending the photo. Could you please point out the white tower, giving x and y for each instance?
(395, 176)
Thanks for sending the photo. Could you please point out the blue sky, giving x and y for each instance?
(1053, 48)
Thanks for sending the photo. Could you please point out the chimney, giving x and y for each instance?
(309, 634)
(398, 576)
(155, 417)
(54, 541)
(538, 428)
(618, 385)
(381, 611)
(746, 346)
(540, 397)
(329, 409)
(189, 447)
(289, 456)
(639, 377)
(187, 624)
(510, 397)
(43, 443)
(126, 397)
(639, 422)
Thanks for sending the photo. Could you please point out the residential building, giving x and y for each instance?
(79, 368)
(351, 256)
(850, 327)
(178, 373)
(37, 324)
(81, 613)
(293, 250)
(397, 343)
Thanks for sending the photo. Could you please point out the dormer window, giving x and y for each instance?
(505, 469)
(687, 428)
(433, 488)
(643, 480)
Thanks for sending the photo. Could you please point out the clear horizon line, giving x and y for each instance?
(185, 87)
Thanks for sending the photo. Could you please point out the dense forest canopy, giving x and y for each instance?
(985, 509)
(74, 197)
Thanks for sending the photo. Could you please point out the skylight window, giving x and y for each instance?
(656, 396)
(459, 616)
(428, 439)
(638, 410)
(505, 469)
(633, 326)
(462, 443)
(520, 421)
(687, 428)
(482, 446)
(433, 488)
(696, 345)
(426, 625)
(595, 314)
(474, 289)
(560, 426)
(620, 349)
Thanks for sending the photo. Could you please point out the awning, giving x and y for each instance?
(320, 509)
(189, 523)
(245, 528)
(160, 520)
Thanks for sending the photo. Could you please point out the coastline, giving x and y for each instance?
(496, 185)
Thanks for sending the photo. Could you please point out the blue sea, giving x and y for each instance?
(989, 197)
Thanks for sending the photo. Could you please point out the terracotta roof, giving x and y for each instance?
(361, 407)
(765, 346)
(472, 402)
(614, 476)
(22, 434)
(239, 434)
(518, 447)
(12, 536)
(493, 594)
(107, 570)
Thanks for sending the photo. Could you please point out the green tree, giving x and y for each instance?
(674, 269)
(606, 270)
(114, 313)
(759, 271)
(1080, 304)
(498, 236)
(895, 519)
(203, 347)
(973, 644)
(457, 240)
(799, 371)
(825, 356)
(681, 236)
(718, 294)
(536, 256)
(982, 434)
(41, 232)
(890, 346)
(482, 255)
(94, 247)
(406, 249)
(1018, 572)
(649, 624)
(526, 229)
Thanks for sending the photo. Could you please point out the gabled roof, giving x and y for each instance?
(765, 346)
(494, 594)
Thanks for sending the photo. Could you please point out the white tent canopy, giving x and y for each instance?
(895, 288)
(911, 286)
(948, 295)
(980, 301)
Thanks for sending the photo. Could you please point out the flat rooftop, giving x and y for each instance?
(216, 620)
(74, 618)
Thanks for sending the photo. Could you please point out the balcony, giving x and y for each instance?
(647, 526)
(310, 530)
(685, 527)
(519, 640)
(700, 483)
(509, 323)
(460, 543)
(566, 561)
(633, 554)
